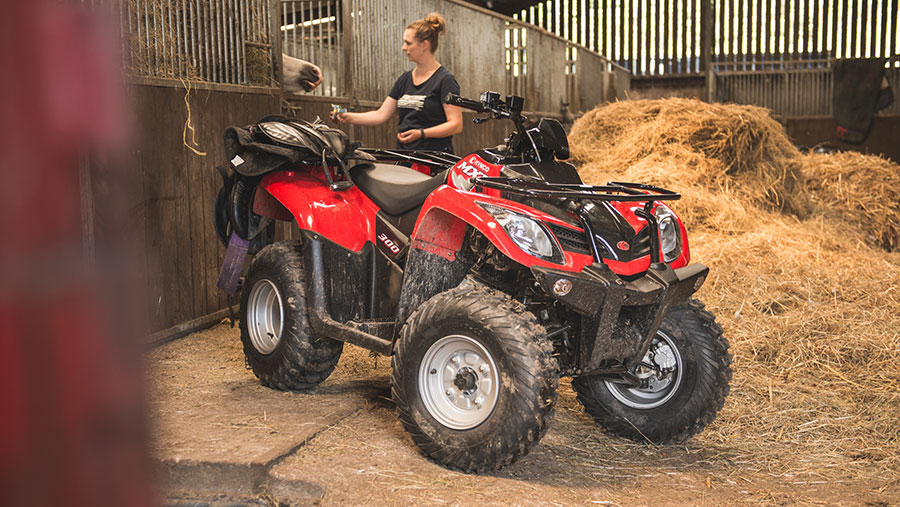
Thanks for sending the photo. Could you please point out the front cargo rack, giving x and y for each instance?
(612, 191)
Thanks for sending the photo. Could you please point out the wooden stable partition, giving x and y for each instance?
(178, 188)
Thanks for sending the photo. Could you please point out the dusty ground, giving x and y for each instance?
(342, 444)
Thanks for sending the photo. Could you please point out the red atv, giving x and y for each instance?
(485, 277)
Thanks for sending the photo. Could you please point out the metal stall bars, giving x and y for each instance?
(313, 30)
(217, 41)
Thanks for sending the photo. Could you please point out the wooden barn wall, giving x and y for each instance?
(182, 253)
(361, 55)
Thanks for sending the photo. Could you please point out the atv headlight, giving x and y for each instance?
(282, 132)
(669, 234)
(529, 234)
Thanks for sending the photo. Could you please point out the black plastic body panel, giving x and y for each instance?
(619, 317)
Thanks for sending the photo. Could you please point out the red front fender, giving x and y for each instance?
(447, 213)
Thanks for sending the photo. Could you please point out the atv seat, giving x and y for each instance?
(395, 189)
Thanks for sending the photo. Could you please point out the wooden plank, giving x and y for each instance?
(721, 51)
(692, 35)
(662, 32)
(619, 12)
(213, 107)
(672, 38)
(779, 37)
(670, 35)
(176, 164)
(835, 30)
(868, 30)
(733, 32)
(883, 32)
(768, 26)
(740, 21)
(573, 18)
(850, 16)
(759, 33)
(186, 328)
(640, 67)
(660, 28)
(679, 27)
(816, 21)
(894, 30)
(200, 224)
(149, 104)
(796, 31)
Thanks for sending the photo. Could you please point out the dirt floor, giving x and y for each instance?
(342, 444)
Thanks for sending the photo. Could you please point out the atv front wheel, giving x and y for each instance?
(474, 379)
(278, 343)
(680, 395)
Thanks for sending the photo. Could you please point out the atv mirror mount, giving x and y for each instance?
(647, 214)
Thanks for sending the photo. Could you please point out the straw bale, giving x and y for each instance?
(809, 302)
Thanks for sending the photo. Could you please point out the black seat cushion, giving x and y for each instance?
(395, 189)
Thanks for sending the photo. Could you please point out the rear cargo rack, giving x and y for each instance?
(612, 191)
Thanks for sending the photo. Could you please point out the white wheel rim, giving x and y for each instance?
(458, 382)
(265, 316)
(651, 397)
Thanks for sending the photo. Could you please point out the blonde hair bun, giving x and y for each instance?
(429, 29)
(437, 23)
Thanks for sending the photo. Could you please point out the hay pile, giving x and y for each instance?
(740, 148)
(807, 289)
(863, 191)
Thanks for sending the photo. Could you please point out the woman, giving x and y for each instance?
(426, 123)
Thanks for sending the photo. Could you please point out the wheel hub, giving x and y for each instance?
(466, 380)
(459, 382)
(660, 373)
(265, 316)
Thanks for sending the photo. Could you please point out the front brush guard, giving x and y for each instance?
(620, 317)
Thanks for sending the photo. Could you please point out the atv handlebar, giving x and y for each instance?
(510, 109)
(455, 100)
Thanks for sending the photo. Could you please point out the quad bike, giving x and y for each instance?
(485, 277)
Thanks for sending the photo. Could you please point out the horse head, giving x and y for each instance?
(300, 75)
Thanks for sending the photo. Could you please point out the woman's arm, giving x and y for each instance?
(372, 118)
(452, 126)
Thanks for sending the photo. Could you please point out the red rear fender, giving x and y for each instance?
(346, 217)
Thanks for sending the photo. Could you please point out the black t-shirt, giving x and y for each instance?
(422, 106)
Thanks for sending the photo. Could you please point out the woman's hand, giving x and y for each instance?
(409, 136)
(370, 118)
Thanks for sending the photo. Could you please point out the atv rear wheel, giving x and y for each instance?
(683, 395)
(474, 379)
(278, 343)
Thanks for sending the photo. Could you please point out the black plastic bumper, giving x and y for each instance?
(620, 317)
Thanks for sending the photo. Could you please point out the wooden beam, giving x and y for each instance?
(186, 328)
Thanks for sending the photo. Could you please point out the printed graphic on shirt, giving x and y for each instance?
(416, 102)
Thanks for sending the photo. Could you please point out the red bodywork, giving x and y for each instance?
(347, 217)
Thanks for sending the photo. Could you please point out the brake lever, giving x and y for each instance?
(337, 186)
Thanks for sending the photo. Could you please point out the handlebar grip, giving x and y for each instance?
(455, 100)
